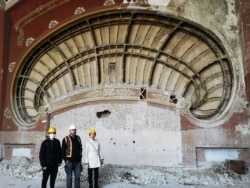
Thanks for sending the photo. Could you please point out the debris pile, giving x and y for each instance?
(217, 174)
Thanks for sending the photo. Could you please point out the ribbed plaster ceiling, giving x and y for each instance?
(127, 48)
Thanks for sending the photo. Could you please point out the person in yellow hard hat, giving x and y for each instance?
(93, 158)
(50, 157)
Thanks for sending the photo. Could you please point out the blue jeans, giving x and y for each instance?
(71, 167)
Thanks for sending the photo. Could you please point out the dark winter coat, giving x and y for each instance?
(50, 153)
(72, 148)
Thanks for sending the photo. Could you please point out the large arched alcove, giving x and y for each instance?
(126, 49)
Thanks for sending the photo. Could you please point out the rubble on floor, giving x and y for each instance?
(216, 174)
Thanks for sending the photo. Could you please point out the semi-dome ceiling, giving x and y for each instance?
(127, 48)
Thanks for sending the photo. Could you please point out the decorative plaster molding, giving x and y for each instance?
(29, 41)
(109, 3)
(53, 23)
(161, 97)
(60, 103)
(240, 105)
(33, 15)
(7, 113)
(125, 92)
(12, 66)
(244, 129)
(20, 37)
(237, 68)
(113, 93)
(39, 9)
(184, 106)
(93, 94)
(102, 93)
(43, 110)
(110, 92)
(79, 10)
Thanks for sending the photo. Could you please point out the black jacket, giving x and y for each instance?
(72, 149)
(50, 153)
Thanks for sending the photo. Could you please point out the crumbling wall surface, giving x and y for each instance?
(226, 142)
(20, 143)
(225, 20)
(220, 17)
(131, 134)
(214, 146)
(244, 8)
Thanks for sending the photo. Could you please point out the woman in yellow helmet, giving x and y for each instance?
(93, 158)
(50, 158)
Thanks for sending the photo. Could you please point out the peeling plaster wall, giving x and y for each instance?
(221, 18)
(218, 16)
(133, 133)
(197, 142)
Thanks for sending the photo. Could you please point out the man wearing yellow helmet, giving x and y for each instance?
(50, 158)
(93, 158)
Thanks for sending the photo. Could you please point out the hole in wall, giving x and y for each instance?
(143, 94)
(103, 114)
(173, 99)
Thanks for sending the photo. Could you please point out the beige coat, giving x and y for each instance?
(93, 154)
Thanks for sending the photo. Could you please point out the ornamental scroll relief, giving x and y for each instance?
(109, 2)
(240, 105)
(12, 66)
(97, 94)
(113, 93)
(27, 19)
(7, 113)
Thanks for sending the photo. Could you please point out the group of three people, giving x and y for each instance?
(52, 153)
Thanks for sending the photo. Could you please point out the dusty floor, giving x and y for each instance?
(22, 173)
